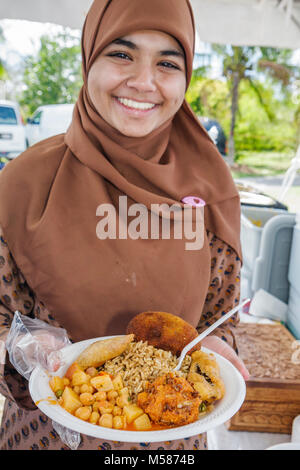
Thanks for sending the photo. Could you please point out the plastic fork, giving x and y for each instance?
(211, 328)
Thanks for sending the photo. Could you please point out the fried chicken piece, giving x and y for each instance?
(163, 331)
(170, 401)
(205, 377)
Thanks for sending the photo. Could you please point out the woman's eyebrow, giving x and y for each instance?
(133, 46)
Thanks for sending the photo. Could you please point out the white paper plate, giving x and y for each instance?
(223, 410)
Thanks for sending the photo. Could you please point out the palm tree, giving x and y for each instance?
(241, 63)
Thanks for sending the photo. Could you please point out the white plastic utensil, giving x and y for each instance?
(211, 328)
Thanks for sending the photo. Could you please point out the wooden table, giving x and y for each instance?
(273, 391)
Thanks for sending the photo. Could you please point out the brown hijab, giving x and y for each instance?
(49, 197)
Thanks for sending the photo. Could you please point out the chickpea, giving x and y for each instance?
(92, 371)
(96, 405)
(86, 398)
(84, 412)
(85, 388)
(94, 417)
(112, 394)
(117, 411)
(76, 389)
(106, 420)
(100, 396)
(105, 407)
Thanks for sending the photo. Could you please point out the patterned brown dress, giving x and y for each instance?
(23, 426)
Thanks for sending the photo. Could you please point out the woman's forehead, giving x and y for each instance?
(157, 39)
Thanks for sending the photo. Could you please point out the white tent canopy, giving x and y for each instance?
(274, 23)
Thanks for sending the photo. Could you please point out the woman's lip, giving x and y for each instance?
(134, 99)
(134, 111)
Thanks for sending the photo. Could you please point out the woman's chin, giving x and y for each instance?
(135, 131)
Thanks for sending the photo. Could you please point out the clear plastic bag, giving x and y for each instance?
(70, 438)
(31, 342)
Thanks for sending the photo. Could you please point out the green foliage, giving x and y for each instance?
(3, 71)
(267, 119)
(264, 128)
(209, 97)
(54, 75)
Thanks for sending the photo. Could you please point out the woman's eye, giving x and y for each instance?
(122, 55)
(169, 65)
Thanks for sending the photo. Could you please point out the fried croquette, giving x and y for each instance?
(163, 331)
(204, 375)
(170, 401)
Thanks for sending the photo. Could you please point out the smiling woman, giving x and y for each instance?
(132, 136)
(138, 78)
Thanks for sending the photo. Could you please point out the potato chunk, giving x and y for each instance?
(70, 400)
(132, 412)
(118, 382)
(71, 370)
(80, 378)
(102, 383)
(56, 384)
(142, 423)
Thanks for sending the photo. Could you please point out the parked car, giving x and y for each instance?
(12, 130)
(216, 133)
(47, 121)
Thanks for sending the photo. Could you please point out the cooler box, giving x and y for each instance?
(293, 321)
(266, 236)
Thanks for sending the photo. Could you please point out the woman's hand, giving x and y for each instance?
(219, 346)
(47, 353)
(40, 347)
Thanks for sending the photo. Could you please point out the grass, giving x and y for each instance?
(261, 164)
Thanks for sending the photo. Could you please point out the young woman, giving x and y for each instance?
(132, 135)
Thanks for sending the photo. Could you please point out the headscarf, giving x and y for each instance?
(49, 197)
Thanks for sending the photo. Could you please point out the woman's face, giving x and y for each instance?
(138, 82)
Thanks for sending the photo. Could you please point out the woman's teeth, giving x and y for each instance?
(135, 104)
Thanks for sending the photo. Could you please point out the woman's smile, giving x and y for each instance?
(135, 108)
(138, 82)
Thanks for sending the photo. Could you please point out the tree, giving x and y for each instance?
(245, 63)
(3, 71)
(54, 75)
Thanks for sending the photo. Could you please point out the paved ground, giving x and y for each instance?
(270, 180)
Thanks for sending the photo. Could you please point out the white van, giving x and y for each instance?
(12, 130)
(47, 121)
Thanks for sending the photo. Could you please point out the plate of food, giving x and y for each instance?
(124, 388)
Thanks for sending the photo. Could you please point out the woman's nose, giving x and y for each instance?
(143, 79)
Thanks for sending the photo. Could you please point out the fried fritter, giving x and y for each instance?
(170, 401)
(97, 353)
(204, 375)
(163, 331)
